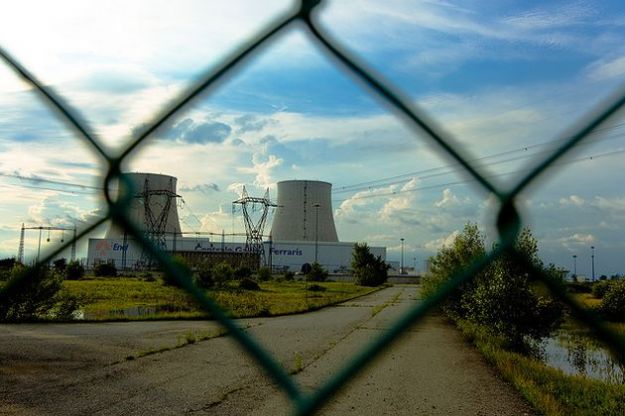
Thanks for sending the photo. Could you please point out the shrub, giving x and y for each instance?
(248, 284)
(242, 272)
(289, 276)
(74, 271)
(105, 270)
(264, 274)
(368, 270)
(315, 288)
(317, 273)
(576, 287)
(30, 293)
(613, 303)
(60, 265)
(600, 288)
(148, 277)
(222, 273)
(184, 270)
(204, 277)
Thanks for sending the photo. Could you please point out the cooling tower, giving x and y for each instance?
(159, 192)
(304, 212)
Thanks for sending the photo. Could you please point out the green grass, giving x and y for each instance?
(113, 298)
(550, 390)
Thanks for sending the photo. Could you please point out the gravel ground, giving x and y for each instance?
(80, 369)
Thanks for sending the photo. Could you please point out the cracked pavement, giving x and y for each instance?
(82, 368)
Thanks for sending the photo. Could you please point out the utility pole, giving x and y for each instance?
(316, 231)
(401, 267)
(592, 261)
(575, 265)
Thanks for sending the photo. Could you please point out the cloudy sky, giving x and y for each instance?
(506, 80)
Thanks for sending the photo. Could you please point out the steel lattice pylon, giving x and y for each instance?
(254, 229)
(155, 223)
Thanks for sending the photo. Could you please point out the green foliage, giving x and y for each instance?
(289, 276)
(183, 267)
(8, 263)
(600, 288)
(74, 271)
(501, 297)
(105, 270)
(248, 284)
(222, 273)
(317, 273)
(60, 265)
(315, 288)
(264, 274)
(368, 269)
(242, 272)
(204, 277)
(467, 247)
(613, 302)
(29, 294)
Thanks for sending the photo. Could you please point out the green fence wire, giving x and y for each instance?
(508, 220)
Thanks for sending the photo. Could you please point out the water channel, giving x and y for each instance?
(576, 352)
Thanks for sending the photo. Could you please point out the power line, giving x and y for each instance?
(465, 181)
(407, 176)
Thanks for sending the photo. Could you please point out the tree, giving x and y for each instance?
(502, 297)
(466, 247)
(368, 269)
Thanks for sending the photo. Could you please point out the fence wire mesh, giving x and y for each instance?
(508, 220)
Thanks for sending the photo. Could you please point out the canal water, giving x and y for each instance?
(576, 352)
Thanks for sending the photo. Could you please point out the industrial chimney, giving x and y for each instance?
(153, 206)
(304, 212)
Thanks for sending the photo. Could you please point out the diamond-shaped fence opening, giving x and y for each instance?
(508, 219)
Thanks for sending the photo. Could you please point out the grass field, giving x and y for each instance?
(107, 299)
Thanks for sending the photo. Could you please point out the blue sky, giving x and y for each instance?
(504, 79)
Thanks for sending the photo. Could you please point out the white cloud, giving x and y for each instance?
(437, 244)
(262, 169)
(577, 240)
(606, 69)
(572, 200)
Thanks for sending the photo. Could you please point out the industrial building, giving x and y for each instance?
(302, 230)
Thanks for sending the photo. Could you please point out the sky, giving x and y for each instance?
(504, 81)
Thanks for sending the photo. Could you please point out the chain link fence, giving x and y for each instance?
(508, 218)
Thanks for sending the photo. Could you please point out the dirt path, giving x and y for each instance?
(81, 369)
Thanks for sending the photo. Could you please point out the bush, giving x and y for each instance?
(74, 271)
(576, 287)
(613, 303)
(242, 272)
(222, 273)
(204, 277)
(60, 265)
(248, 284)
(289, 276)
(264, 274)
(315, 288)
(501, 297)
(368, 270)
(184, 270)
(148, 277)
(600, 288)
(29, 294)
(317, 273)
(105, 270)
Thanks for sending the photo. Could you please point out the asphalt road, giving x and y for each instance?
(82, 369)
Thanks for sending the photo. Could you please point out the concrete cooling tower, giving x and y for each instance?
(304, 212)
(153, 207)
